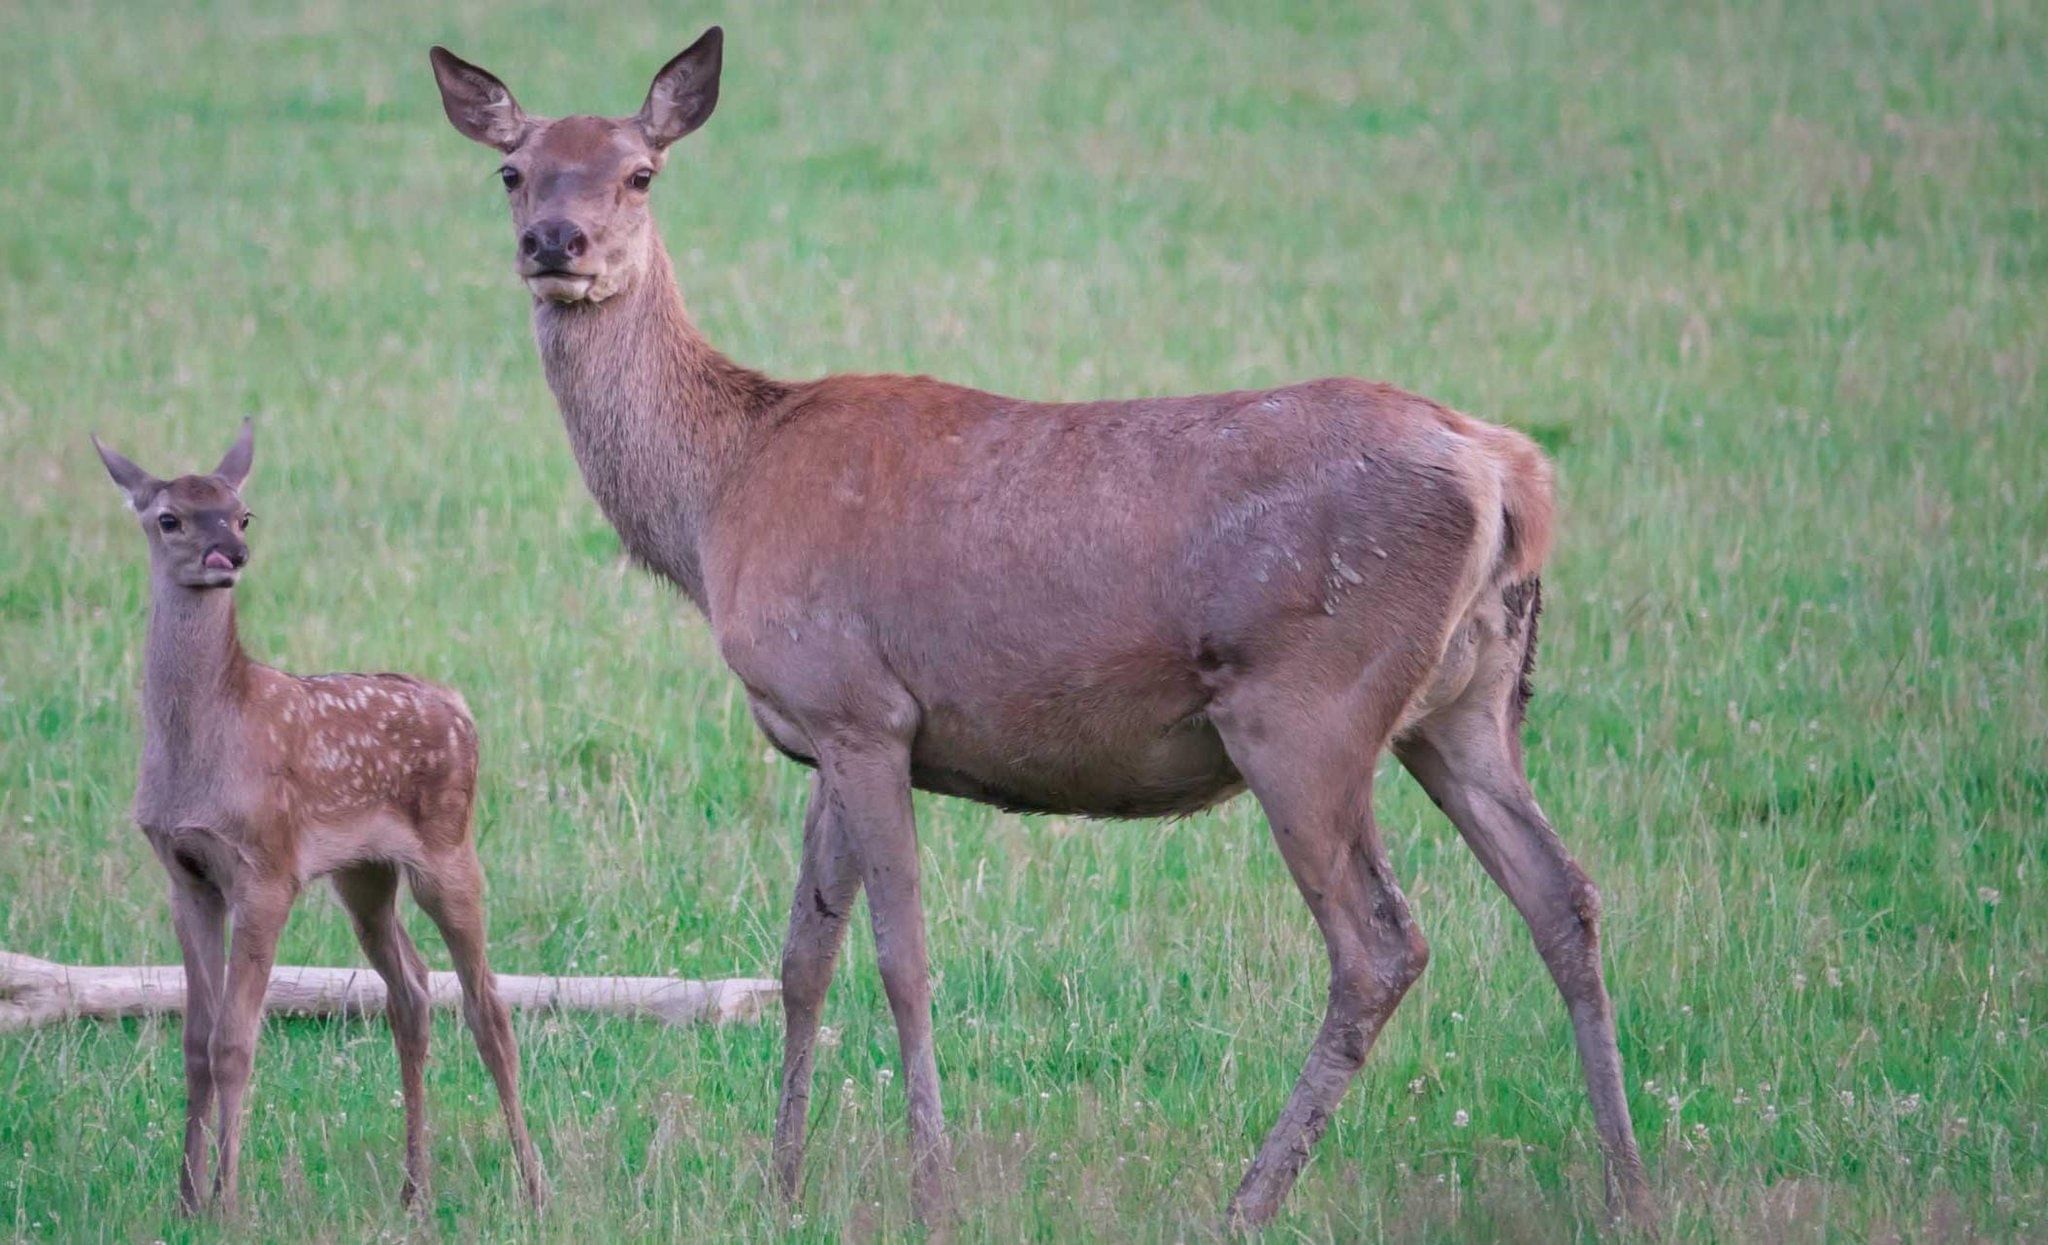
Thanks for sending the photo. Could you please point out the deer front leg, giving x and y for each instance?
(869, 787)
(259, 914)
(200, 914)
(828, 881)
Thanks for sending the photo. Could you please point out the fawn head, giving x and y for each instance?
(197, 525)
(578, 185)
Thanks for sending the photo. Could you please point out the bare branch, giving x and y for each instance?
(37, 992)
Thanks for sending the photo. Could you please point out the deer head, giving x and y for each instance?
(197, 525)
(578, 186)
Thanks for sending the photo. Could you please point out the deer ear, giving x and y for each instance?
(235, 464)
(477, 103)
(684, 92)
(134, 481)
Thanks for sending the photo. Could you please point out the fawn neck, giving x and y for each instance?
(655, 414)
(194, 675)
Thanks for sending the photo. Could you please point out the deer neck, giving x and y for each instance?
(657, 416)
(193, 679)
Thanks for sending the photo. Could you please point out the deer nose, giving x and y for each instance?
(553, 244)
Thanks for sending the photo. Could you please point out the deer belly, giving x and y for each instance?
(1181, 770)
(1113, 751)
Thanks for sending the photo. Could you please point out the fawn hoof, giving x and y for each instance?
(789, 1173)
(931, 1197)
(1257, 1200)
(1244, 1217)
(1630, 1204)
(934, 1209)
(537, 1193)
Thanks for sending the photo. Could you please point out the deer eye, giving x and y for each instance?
(640, 179)
(169, 522)
(511, 177)
(243, 522)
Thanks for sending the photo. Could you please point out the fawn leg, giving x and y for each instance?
(258, 913)
(451, 892)
(200, 913)
(370, 893)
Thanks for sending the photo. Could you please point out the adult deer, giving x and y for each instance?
(1121, 609)
(255, 782)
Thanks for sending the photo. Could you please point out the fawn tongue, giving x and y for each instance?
(218, 561)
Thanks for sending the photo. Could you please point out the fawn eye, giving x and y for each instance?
(510, 176)
(243, 523)
(640, 179)
(169, 522)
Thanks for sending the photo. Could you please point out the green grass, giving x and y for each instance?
(1771, 280)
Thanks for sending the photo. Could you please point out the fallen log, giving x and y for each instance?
(37, 992)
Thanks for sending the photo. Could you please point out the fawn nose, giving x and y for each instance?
(553, 244)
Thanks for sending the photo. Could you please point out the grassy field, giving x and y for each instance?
(1770, 280)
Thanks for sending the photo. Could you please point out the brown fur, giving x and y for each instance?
(1111, 608)
(1522, 605)
(255, 782)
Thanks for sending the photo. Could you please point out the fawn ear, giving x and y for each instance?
(235, 464)
(477, 103)
(134, 481)
(684, 92)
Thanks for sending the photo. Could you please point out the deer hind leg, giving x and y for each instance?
(259, 912)
(1467, 756)
(828, 881)
(200, 914)
(450, 890)
(1308, 757)
(370, 893)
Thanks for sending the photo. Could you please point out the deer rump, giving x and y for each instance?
(1060, 590)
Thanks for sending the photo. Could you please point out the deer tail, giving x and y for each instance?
(1528, 505)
